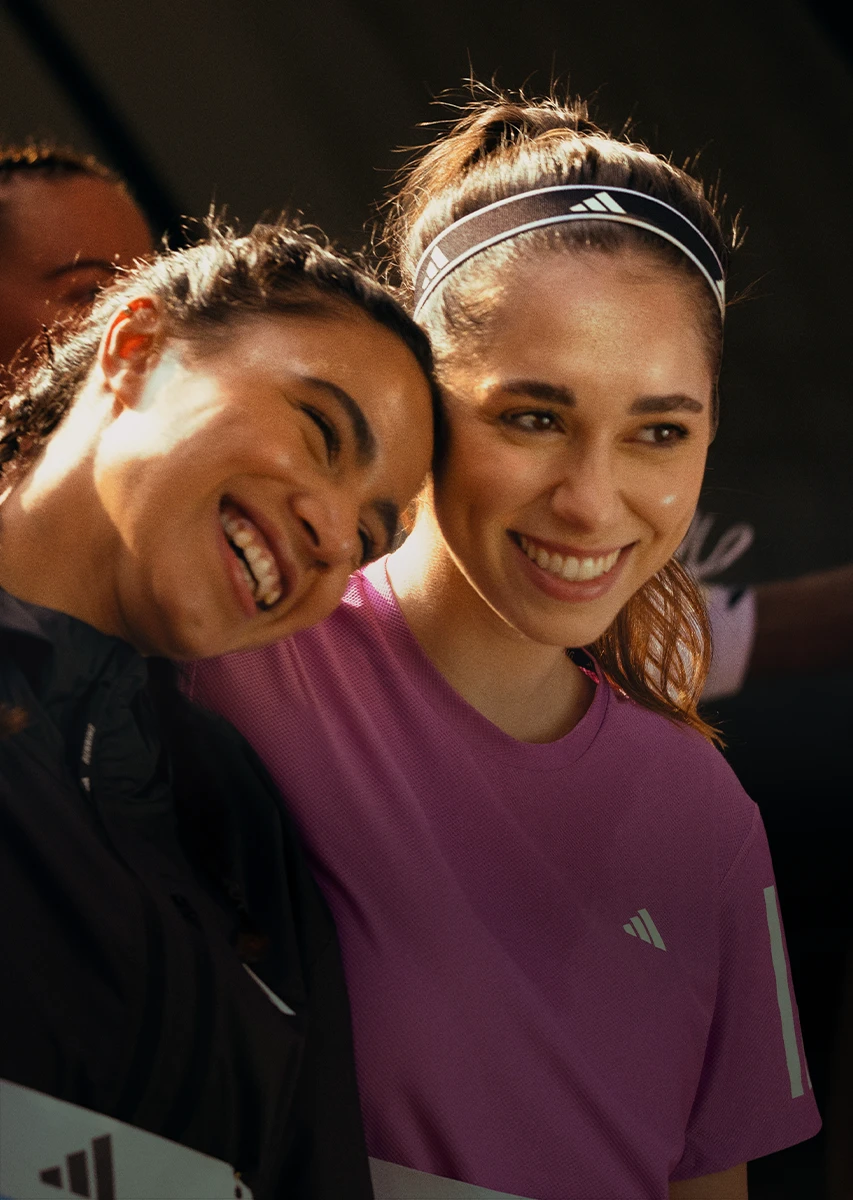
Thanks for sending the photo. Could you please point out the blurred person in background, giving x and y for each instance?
(67, 224)
(788, 627)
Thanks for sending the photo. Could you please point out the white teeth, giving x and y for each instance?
(259, 566)
(248, 574)
(567, 567)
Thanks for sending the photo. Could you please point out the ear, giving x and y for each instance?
(129, 349)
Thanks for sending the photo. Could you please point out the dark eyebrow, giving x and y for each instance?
(666, 404)
(550, 393)
(389, 515)
(82, 264)
(553, 394)
(365, 439)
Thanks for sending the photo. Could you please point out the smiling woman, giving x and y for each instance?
(228, 425)
(556, 904)
(197, 467)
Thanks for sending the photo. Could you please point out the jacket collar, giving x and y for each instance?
(87, 699)
(72, 654)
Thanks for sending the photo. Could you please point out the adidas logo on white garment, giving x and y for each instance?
(78, 1171)
(644, 927)
(600, 202)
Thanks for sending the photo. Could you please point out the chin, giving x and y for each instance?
(184, 636)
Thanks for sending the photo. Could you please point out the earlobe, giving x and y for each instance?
(129, 348)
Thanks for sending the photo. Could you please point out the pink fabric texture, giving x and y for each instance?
(565, 965)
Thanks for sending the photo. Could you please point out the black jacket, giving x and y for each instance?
(121, 987)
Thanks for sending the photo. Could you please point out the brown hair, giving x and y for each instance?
(658, 649)
(50, 159)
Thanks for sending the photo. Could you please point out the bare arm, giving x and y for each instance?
(804, 625)
(724, 1185)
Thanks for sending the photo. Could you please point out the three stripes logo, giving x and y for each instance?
(79, 1174)
(437, 260)
(643, 927)
(600, 202)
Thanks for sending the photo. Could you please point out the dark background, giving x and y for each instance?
(261, 105)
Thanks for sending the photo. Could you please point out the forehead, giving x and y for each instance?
(593, 312)
(48, 221)
(320, 333)
(336, 343)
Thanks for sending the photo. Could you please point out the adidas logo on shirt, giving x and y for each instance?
(600, 202)
(643, 926)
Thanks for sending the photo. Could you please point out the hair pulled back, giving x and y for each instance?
(201, 291)
(658, 649)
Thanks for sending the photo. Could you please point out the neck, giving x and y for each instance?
(54, 541)
(531, 691)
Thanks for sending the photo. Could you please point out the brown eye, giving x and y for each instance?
(663, 435)
(533, 421)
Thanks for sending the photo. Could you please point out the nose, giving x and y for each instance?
(587, 496)
(329, 523)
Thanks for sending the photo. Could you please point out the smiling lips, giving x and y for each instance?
(254, 556)
(565, 566)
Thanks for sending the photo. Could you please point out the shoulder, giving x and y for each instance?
(666, 745)
(347, 641)
(679, 780)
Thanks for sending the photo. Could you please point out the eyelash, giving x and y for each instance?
(368, 547)
(515, 419)
(327, 429)
(680, 431)
(333, 445)
(86, 295)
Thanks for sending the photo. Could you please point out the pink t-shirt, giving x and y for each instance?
(567, 972)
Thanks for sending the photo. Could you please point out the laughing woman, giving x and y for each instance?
(197, 469)
(557, 909)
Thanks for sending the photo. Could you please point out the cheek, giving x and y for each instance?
(671, 506)
(680, 481)
(485, 472)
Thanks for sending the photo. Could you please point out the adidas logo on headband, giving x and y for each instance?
(551, 206)
(437, 260)
(600, 202)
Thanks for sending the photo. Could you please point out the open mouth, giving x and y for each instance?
(566, 566)
(254, 555)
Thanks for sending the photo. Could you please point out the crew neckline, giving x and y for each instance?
(453, 709)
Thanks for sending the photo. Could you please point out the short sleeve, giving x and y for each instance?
(754, 1094)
